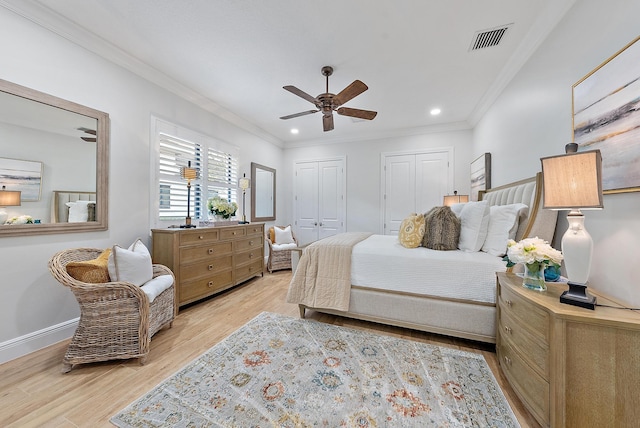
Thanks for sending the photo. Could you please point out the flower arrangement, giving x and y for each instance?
(532, 250)
(22, 219)
(221, 207)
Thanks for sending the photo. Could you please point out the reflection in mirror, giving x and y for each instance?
(56, 153)
(263, 193)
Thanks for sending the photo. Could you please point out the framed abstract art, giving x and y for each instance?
(606, 116)
(480, 175)
(25, 176)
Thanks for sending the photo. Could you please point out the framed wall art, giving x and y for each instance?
(480, 175)
(606, 116)
(22, 175)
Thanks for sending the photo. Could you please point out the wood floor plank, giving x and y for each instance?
(34, 392)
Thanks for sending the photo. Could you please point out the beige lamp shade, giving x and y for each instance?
(455, 199)
(188, 173)
(244, 183)
(573, 181)
(9, 198)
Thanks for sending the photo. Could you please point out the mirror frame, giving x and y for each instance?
(254, 167)
(102, 166)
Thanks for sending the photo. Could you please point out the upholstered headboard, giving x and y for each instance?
(60, 210)
(538, 222)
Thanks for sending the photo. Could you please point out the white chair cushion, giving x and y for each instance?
(155, 286)
(283, 236)
(130, 265)
(280, 247)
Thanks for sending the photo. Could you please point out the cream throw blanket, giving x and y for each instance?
(323, 276)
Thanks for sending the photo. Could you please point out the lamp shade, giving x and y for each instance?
(9, 198)
(573, 181)
(244, 183)
(455, 199)
(188, 173)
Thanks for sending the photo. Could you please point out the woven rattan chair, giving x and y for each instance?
(278, 259)
(116, 318)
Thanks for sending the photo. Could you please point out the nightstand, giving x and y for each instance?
(569, 366)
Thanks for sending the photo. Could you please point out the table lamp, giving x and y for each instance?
(455, 199)
(188, 173)
(574, 182)
(244, 183)
(8, 198)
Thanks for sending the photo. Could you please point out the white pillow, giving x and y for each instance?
(78, 211)
(155, 286)
(283, 236)
(130, 265)
(503, 225)
(474, 220)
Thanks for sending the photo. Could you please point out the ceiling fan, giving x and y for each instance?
(327, 103)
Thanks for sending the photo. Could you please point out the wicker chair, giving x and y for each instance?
(278, 259)
(116, 319)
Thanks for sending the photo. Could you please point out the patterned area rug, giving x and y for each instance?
(289, 372)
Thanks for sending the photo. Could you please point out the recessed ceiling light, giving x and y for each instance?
(435, 111)
(294, 131)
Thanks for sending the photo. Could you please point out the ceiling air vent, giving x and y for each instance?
(488, 38)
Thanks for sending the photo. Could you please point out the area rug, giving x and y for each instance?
(289, 372)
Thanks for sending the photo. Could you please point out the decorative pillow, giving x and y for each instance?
(92, 271)
(131, 265)
(79, 211)
(442, 229)
(474, 220)
(503, 225)
(411, 231)
(283, 235)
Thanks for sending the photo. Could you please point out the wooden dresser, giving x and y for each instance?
(571, 367)
(208, 260)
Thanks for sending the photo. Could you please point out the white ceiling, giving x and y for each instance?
(233, 57)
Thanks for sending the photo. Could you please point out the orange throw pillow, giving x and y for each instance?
(92, 271)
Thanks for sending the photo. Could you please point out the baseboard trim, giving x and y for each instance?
(23, 345)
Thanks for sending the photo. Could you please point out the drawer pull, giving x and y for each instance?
(250, 242)
(233, 233)
(508, 302)
(210, 250)
(210, 267)
(200, 237)
(251, 255)
(507, 329)
(210, 284)
(507, 360)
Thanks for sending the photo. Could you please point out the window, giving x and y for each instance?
(217, 163)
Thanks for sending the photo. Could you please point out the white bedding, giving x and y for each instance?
(381, 262)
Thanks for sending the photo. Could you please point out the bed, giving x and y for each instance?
(73, 206)
(453, 293)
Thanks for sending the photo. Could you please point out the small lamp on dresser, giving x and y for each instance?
(188, 173)
(574, 182)
(244, 183)
(8, 198)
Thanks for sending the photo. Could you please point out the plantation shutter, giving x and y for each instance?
(222, 174)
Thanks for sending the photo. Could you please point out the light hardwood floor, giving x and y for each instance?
(34, 393)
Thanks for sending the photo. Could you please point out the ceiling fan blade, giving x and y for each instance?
(327, 122)
(302, 113)
(87, 130)
(356, 112)
(351, 91)
(300, 93)
(89, 139)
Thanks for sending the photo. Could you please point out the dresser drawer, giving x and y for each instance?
(254, 230)
(195, 290)
(199, 236)
(532, 318)
(204, 252)
(205, 268)
(247, 256)
(528, 346)
(249, 243)
(533, 389)
(232, 232)
(246, 271)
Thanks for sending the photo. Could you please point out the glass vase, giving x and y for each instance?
(533, 277)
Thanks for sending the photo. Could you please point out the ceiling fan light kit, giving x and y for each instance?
(327, 102)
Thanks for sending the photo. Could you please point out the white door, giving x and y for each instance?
(319, 200)
(413, 183)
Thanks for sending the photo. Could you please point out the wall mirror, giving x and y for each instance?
(56, 154)
(263, 193)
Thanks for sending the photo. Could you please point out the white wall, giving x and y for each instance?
(363, 170)
(30, 299)
(532, 119)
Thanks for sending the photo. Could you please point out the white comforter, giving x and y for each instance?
(381, 262)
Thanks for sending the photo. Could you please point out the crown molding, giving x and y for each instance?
(69, 30)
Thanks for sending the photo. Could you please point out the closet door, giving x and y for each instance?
(319, 200)
(413, 183)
